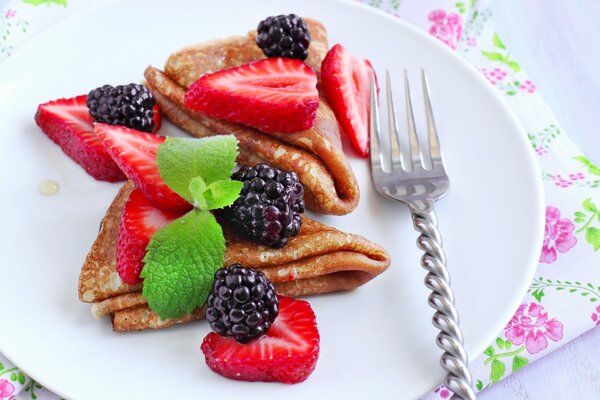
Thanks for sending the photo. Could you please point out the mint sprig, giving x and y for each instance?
(182, 257)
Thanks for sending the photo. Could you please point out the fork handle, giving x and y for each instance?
(450, 339)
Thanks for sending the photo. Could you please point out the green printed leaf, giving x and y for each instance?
(489, 351)
(572, 290)
(13, 377)
(492, 56)
(579, 214)
(500, 343)
(592, 236)
(507, 344)
(460, 7)
(518, 363)
(585, 293)
(479, 385)
(582, 160)
(180, 160)
(497, 42)
(593, 299)
(48, 2)
(1, 366)
(589, 205)
(513, 65)
(538, 294)
(498, 370)
(180, 264)
(21, 378)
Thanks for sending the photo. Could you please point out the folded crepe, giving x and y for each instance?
(319, 260)
(315, 154)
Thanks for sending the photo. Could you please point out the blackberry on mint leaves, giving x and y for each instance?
(269, 206)
(242, 303)
(283, 36)
(128, 105)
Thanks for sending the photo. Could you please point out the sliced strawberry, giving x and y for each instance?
(139, 221)
(288, 353)
(135, 153)
(345, 80)
(69, 124)
(271, 95)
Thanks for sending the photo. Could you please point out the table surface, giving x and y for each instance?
(557, 43)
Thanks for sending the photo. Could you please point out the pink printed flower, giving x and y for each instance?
(443, 392)
(527, 86)
(541, 150)
(446, 26)
(495, 75)
(530, 325)
(558, 234)
(10, 13)
(596, 316)
(6, 389)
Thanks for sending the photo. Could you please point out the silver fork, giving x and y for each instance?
(418, 187)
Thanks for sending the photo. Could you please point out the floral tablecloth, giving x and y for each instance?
(563, 299)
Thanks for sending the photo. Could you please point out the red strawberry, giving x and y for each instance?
(288, 353)
(135, 153)
(140, 220)
(69, 124)
(345, 80)
(272, 95)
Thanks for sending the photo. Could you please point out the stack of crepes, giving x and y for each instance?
(319, 260)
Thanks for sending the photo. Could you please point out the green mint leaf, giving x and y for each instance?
(588, 205)
(518, 363)
(498, 370)
(197, 187)
(180, 160)
(592, 236)
(180, 264)
(222, 193)
(218, 194)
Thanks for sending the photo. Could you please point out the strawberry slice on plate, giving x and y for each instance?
(288, 353)
(139, 221)
(271, 95)
(345, 80)
(135, 153)
(67, 122)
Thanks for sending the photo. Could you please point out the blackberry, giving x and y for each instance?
(128, 105)
(283, 36)
(269, 207)
(242, 303)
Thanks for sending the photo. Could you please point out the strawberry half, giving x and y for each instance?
(67, 122)
(139, 221)
(271, 95)
(135, 153)
(288, 353)
(345, 80)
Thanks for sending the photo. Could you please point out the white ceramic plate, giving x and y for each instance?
(376, 341)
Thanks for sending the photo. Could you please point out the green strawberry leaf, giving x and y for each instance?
(592, 236)
(180, 160)
(180, 264)
(498, 370)
(588, 205)
(518, 363)
(497, 42)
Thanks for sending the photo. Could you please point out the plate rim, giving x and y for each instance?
(502, 102)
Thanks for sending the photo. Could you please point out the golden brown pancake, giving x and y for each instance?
(315, 154)
(320, 259)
